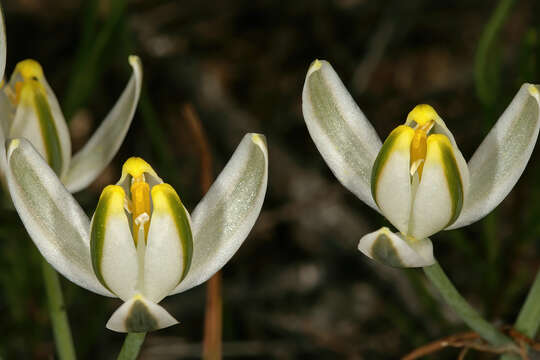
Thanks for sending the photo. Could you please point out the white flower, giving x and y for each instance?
(141, 244)
(30, 110)
(418, 178)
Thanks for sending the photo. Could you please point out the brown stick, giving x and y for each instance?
(471, 340)
(213, 314)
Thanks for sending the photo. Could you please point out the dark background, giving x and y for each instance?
(298, 288)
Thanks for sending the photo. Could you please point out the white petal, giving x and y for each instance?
(224, 217)
(344, 137)
(114, 257)
(140, 315)
(169, 244)
(395, 250)
(2, 45)
(38, 117)
(500, 160)
(55, 221)
(439, 196)
(61, 126)
(90, 161)
(391, 184)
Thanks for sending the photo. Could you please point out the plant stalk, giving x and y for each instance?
(470, 316)
(132, 345)
(57, 313)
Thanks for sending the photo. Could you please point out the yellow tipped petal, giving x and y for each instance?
(390, 177)
(113, 254)
(439, 196)
(136, 166)
(422, 114)
(30, 69)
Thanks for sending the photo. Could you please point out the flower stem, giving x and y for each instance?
(132, 346)
(57, 312)
(470, 316)
(529, 316)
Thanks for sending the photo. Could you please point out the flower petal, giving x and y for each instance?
(390, 180)
(3, 50)
(169, 244)
(88, 163)
(55, 221)
(344, 137)
(226, 214)
(439, 196)
(500, 160)
(395, 250)
(37, 114)
(114, 257)
(140, 315)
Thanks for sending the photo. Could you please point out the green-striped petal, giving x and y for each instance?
(390, 178)
(396, 250)
(344, 137)
(500, 160)
(37, 115)
(53, 218)
(114, 257)
(439, 196)
(228, 211)
(138, 314)
(90, 161)
(169, 244)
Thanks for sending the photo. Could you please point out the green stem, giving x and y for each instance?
(132, 346)
(57, 312)
(470, 316)
(529, 317)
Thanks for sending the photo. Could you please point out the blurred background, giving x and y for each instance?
(298, 288)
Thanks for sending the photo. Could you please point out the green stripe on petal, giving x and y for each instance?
(169, 245)
(400, 138)
(165, 199)
(48, 131)
(34, 121)
(451, 171)
(439, 196)
(391, 184)
(113, 254)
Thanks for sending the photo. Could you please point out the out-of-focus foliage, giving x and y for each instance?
(298, 288)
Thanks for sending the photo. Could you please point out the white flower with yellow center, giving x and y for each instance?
(141, 244)
(30, 110)
(418, 178)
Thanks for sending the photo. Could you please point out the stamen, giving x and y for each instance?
(418, 152)
(140, 206)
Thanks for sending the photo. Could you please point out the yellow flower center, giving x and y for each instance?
(140, 194)
(140, 207)
(424, 116)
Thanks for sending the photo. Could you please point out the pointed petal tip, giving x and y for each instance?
(134, 61)
(259, 139)
(533, 90)
(13, 144)
(315, 66)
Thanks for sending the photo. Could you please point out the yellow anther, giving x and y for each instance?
(418, 152)
(422, 114)
(140, 203)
